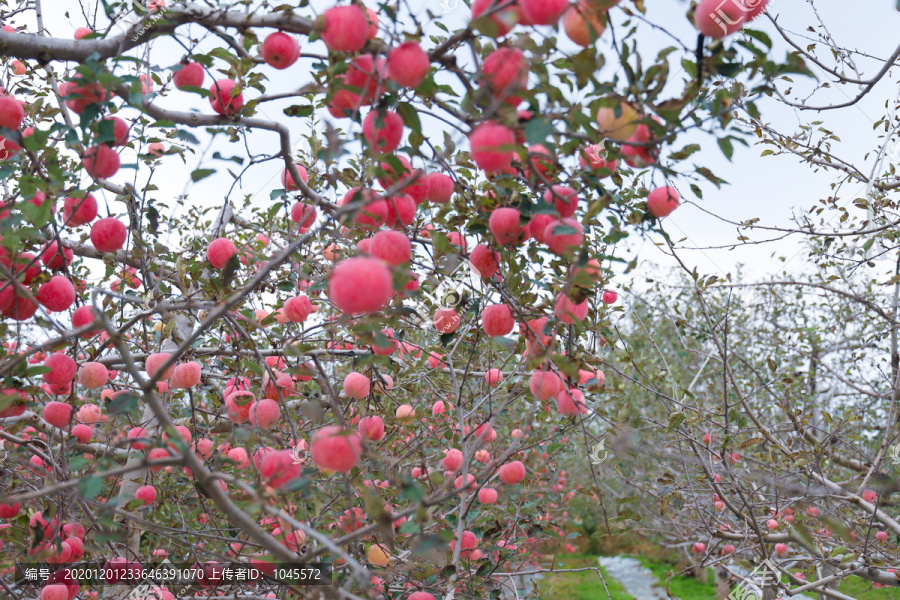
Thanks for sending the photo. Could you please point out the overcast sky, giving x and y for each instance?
(770, 188)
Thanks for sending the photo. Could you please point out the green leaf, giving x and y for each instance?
(90, 487)
(537, 130)
(727, 147)
(410, 116)
(298, 111)
(123, 403)
(153, 217)
(186, 136)
(201, 174)
(675, 419)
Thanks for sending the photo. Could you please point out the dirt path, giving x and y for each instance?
(638, 581)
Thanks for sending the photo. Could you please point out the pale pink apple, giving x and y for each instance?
(334, 449)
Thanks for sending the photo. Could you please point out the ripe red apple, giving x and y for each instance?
(401, 211)
(571, 402)
(84, 316)
(662, 201)
(538, 225)
(881, 536)
(303, 214)
(219, 252)
(58, 414)
(493, 146)
(505, 72)
(512, 473)
(564, 236)
(756, 10)
(543, 12)
(334, 449)
(593, 157)
(383, 130)
(699, 547)
(718, 19)
(186, 375)
(446, 320)
(278, 467)
(408, 64)
(108, 234)
(563, 198)
(372, 17)
(81, 95)
(190, 75)
(485, 261)
(147, 493)
(78, 211)
(57, 295)
(82, 32)
(11, 113)
(93, 375)
(101, 161)
(638, 150)
(781, 549)
(728, 549)
(225, 97)
(392, 247)
(405, 414)
(154, 362)
(297, 309)
(55, 591)
(371, 428)
(361, 285)
(365, 76)
(453, 459)
(357, 385)
(497, 320)
(610, 297)
(264, 413)
(8, 511)
(544, 385)
(502, 20)
(583, 23)
(487, 495)
(440, 187)
(505, 225)
(568, 311)
(280, 50)
(346, 28)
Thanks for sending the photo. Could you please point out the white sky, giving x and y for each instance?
(770, 188)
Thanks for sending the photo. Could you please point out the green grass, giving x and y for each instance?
(862, 589)
(586, 585)
(583, 585)
(683, 586)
